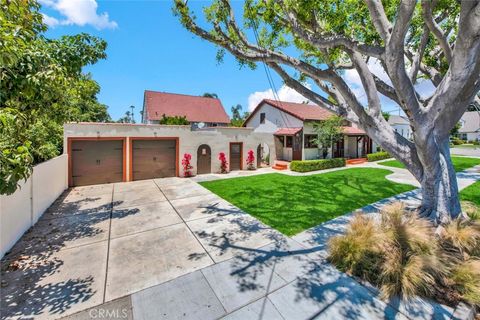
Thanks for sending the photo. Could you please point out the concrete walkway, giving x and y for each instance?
(170, 249)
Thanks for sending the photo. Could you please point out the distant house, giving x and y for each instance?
(292, 126)
(401, 125)
(196, 109)
(470, 126)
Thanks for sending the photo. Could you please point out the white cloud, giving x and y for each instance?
(425, 88)
(78, 12)
(284, 94)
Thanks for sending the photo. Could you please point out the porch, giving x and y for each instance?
(295, 144)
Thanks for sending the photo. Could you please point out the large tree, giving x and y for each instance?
(42, 86)
(318, 40)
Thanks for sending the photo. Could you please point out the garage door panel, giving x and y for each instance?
(153, 159)
(95, 162)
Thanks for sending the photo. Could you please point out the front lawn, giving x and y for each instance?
(459, 163)
(292, 204)
(471, 193)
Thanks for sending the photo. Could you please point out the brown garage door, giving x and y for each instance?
(94, 162)
(153, 159)
(236, 156)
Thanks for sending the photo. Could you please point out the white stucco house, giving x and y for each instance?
(470, 126)
(292, 126)
(401, 125)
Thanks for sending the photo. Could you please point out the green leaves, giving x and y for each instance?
(41, 87)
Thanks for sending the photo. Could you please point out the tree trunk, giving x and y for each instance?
(440, 201)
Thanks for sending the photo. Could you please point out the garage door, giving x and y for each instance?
(95, 162)
(153, 159)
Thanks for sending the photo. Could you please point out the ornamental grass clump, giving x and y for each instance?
(404, 255)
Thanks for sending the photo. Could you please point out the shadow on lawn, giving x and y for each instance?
(31, 272)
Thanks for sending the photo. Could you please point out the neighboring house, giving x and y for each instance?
(470, 126)
(292, 126)
(401, 125)
(196, 109)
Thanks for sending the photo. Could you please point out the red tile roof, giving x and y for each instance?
(287, 131)
(353, 131)
(194, 108)
(301, 111)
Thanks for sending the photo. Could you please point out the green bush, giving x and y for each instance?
(457, 141)
(476, 142)
(378, 156)
(312, 165)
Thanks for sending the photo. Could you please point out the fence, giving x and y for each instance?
(22, 209)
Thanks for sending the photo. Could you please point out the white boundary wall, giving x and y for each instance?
(22, 209)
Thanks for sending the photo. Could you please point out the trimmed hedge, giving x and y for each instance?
(378, 156)
(313, 165)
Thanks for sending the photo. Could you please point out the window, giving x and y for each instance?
(289, 142)
(262, 117)
(309, 141)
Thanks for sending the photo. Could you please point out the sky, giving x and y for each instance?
(148, 49)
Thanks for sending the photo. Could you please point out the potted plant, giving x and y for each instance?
(223, 162)
(250, 160)
(187, 167)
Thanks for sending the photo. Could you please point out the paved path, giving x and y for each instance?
(473, 152)
(287, 279)
(170, 249)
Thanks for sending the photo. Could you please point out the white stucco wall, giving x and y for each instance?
(403, 129)
(20, 210)
(217, 138)
(274, 119)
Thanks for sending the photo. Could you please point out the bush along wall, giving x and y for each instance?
(312, 165)
(378, 156)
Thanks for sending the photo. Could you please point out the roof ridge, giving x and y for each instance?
(182, 94)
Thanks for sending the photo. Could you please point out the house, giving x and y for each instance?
(401, 125)
(198, 110)
(470, 126)
(292, 126)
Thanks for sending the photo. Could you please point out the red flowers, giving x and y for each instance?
(223, 162)
(250, 160)
(187, 167)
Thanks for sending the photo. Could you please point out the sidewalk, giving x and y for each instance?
(286, 279)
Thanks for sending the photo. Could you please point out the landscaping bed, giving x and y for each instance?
(459, 163)
(292, 204)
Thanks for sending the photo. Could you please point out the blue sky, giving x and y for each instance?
(149, 49)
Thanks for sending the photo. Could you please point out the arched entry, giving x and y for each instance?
(204, 159)
(263, 155)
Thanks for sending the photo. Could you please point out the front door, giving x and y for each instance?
(338, 149)
(297, 146)
(204, 159)
(236, 156)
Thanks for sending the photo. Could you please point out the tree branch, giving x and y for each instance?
(379, 18)
(427, 8)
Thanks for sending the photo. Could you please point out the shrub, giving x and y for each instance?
(466, 277)
(250, 160)
(223, 162)
(472, 211)
(476, 142)
(312, 165)
(457, 141)
(378, 156)
(187, 167)
(403, 254)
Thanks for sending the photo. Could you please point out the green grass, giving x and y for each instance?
(471, 193)
(459, 163)
(292, 204)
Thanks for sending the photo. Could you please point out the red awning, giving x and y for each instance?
(351, 131)
(287, 131)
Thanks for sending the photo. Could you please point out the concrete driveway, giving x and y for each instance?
(98, 243)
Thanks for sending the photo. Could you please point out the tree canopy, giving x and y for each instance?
(328, 131)
(317, 42)
(42, 86)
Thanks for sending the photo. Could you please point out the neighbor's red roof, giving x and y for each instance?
(194, 108)
(287, 131)
(353, 131)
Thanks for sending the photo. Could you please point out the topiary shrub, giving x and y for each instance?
(313, 165)
(378, 156)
